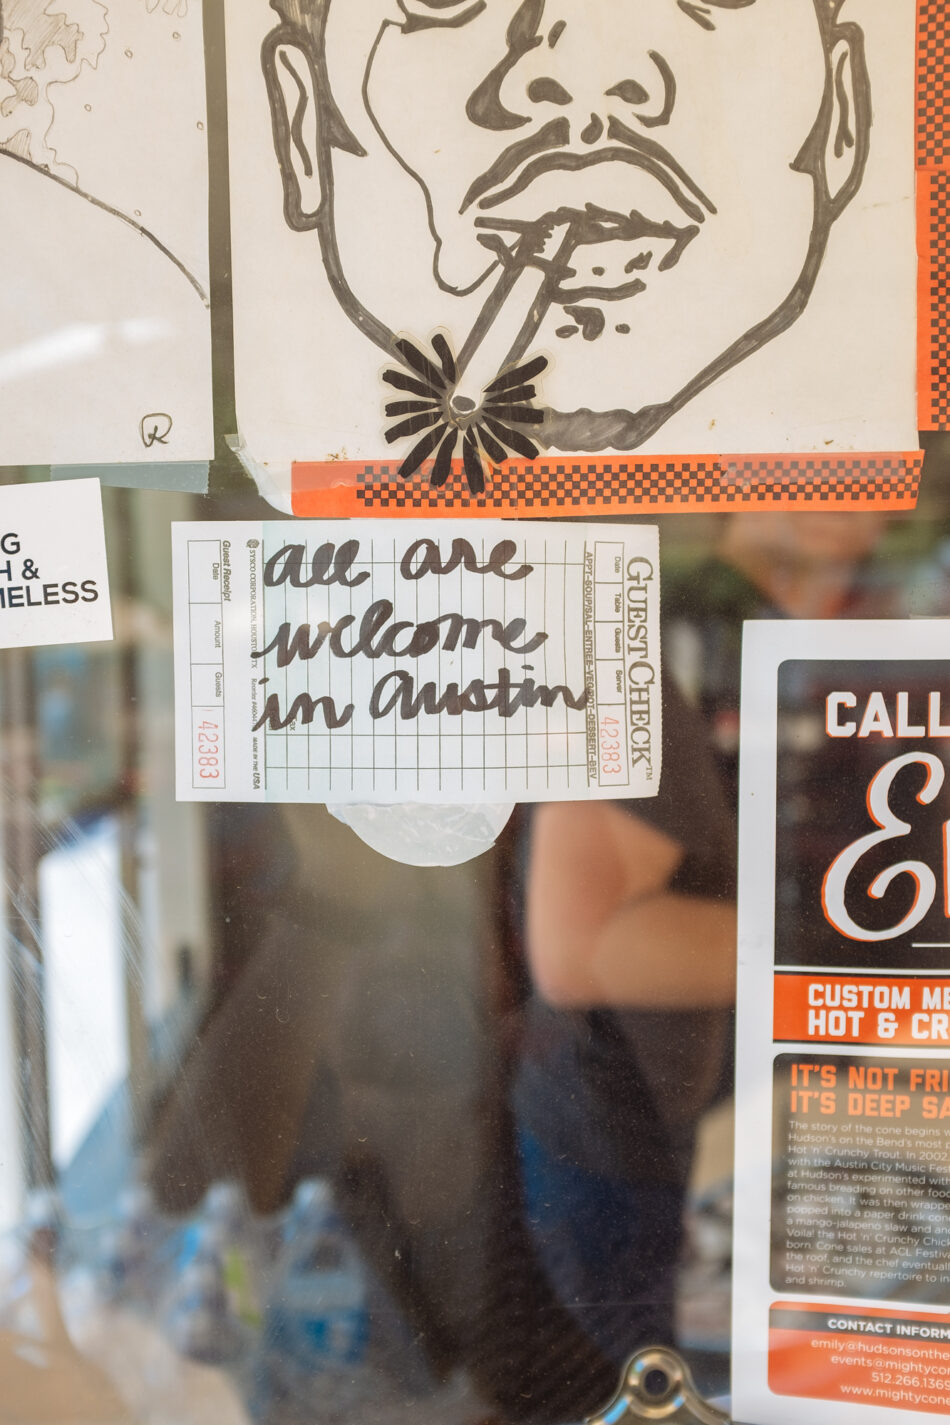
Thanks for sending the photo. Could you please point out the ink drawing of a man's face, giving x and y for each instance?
(641, 190)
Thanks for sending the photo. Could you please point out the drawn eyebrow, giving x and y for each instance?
(700, 12)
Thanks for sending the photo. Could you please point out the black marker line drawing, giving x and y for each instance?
(487, 422)
(123, 218)
(628, 200)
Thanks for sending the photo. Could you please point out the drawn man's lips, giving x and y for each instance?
(598, 225)
(523, 163)
(611, 253)
(626, 248)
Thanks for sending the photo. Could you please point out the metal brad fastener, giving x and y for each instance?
(657, 1385)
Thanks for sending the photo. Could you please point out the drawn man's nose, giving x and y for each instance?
(554, 70)
(649, 106)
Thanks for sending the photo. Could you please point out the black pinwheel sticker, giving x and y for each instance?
(488, 432)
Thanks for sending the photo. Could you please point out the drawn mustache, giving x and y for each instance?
(548, 150)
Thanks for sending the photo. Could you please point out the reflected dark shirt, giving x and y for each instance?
(619, 1091)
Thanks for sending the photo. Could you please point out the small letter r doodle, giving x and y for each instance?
(155, 429)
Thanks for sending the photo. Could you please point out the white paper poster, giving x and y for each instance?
(105, 346)
(54, 580)
(842, 1202)
(392, 662)
(678, 227)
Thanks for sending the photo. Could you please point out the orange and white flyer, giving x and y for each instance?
(842, 1249)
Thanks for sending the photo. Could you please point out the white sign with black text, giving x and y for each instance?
(54, 579)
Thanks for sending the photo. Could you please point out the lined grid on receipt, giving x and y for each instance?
(536, 748)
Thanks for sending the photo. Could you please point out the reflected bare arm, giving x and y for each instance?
(602, 927)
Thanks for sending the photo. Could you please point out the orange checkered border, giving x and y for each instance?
(618, 485)
(933, 214)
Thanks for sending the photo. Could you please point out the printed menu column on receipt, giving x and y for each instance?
(206, 650)
(612, 743)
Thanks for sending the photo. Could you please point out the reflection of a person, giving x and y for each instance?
(630, 934)
(766, 565)
(631, 945)
(674, 169)
(97, 321)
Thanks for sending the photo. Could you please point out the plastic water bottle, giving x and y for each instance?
(311, 1210)
(212, 1309)
(200, 1319)
(224, 1230)
(129, 1261)
(311, 1359)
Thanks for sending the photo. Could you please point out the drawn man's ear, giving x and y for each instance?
(295, 114)
(847, 131)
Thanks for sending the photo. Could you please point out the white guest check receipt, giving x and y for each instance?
(431, 661)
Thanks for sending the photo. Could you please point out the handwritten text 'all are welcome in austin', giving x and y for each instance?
(376, 634)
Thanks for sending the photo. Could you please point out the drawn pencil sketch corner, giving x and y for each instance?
(105, 330)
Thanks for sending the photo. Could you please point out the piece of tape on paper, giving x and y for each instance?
(189, 478)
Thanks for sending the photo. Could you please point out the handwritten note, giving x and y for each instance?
(54, 580)
(390, 662)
